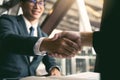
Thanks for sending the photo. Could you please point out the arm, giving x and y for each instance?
(81, 38)
(86, 38)
(12, 37)
(51, 67)
(15, 39)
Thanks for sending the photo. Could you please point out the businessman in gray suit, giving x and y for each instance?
(20, 53)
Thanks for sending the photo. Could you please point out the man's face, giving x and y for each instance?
(32, 9)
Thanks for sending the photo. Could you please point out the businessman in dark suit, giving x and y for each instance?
(17, 46)
(105, 41)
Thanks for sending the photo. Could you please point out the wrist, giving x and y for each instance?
(86, 38)
(44, 44)
(55, 67)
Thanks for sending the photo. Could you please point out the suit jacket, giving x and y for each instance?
(107, 40)
(15, 44)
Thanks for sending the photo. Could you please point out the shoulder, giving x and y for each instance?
(6, 17)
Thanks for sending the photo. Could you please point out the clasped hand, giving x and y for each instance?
(62, 45)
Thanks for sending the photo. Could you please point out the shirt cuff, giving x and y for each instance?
(37, 46)
(55, 67)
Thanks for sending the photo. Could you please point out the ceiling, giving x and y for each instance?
(60, 14)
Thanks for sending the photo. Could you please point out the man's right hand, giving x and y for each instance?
(61, 47)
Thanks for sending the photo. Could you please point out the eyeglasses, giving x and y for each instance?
(41, 2)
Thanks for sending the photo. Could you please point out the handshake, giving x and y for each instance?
(66, 44)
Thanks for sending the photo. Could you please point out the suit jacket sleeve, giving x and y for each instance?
(50, 63)
(12, 39)
(107, 40)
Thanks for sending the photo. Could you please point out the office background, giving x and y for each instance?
(75, 15)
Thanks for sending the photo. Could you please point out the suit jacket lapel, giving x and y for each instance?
(39, 31)
(22, 25)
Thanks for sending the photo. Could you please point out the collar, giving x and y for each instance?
(28, 24)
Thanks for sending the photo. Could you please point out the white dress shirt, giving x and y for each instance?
(38, 43)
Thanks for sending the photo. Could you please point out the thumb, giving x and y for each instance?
(55, 37)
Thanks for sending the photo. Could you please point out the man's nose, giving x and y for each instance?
(36, 5)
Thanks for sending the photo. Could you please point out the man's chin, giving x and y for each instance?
(36, 17)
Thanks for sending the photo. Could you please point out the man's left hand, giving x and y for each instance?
(55, 72)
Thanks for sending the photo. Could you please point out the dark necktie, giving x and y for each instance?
(31, 31)
(31, 34)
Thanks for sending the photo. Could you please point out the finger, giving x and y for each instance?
(57, 55)
(61, 51)
(64, 48)
(52, 74)
(60, 55)
(70, 48)
(72, 44)
(65, 51)
(79, 44)
(55, 37)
